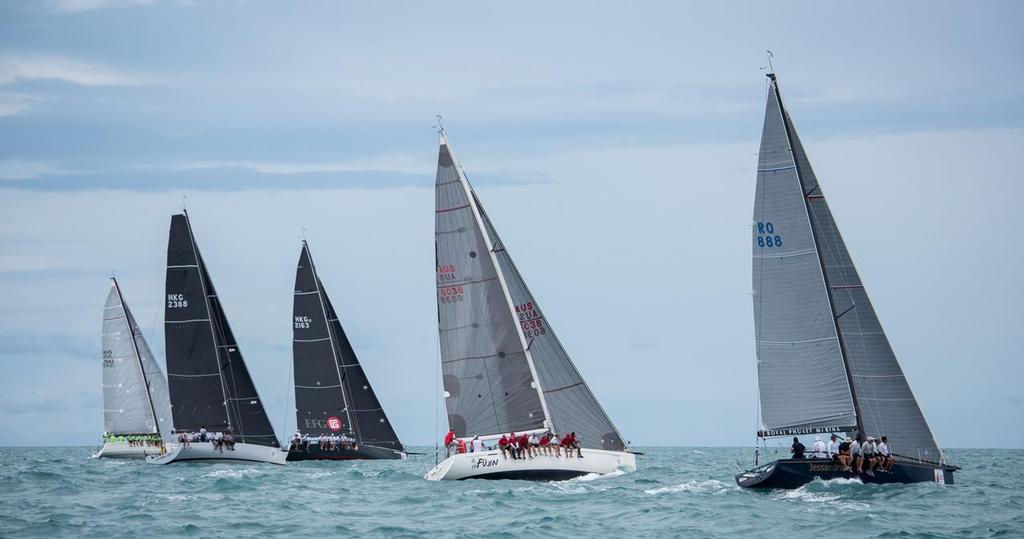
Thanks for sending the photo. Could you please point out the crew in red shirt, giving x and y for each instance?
(566, 444)
(524, 445)
(503, 445)
(544, 441)
(448, 439)
(513, 445)
(461, 445)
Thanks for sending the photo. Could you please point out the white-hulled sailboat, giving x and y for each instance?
(210, 387)
(136, 410)
(504, 369)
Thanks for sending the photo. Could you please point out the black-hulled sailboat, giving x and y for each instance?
(504, 370)
(210, 387)
(333, 396)
(136, 410)
(824, 363)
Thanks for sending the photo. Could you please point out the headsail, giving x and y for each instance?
(483, 302)
(135, 397)
(570, 403)
(872, 380)
(209, 383)
(332, 392)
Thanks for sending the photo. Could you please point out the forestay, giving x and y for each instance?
(209, 383)
(135, 397)
(885, 403)
(332, 392)
(489, 388)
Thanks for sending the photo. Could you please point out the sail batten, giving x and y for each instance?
(875, 386)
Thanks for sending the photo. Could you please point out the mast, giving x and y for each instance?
(330, 334)
(138, 355)
(817, 251)
(209, 310)
(489, 242)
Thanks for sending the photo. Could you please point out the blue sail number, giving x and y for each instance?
(766, 236)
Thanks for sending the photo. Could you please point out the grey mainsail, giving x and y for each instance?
(209, 383)
(823, 358)
(502, 363)
(487, 380)
(332, 392)
(135, 399)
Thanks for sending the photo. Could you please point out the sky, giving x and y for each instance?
(614, 149)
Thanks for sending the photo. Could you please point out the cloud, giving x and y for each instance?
(18, 68)
(399, 164)
(78, 6)
(16, 169)
(12, 104)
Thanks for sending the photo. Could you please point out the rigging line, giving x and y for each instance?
(287, 392)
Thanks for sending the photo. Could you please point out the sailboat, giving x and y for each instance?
(503, 368)
(210, 387)
(332, 393)
(824, 363)
(136, 410)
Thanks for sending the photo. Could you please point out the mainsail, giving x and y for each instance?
(135, 397)
(332, 392)
(210, 385)
(824, 362)
(504, 369)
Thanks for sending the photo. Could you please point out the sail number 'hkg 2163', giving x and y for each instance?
(176, 301)
(302, 322)
(766, 236)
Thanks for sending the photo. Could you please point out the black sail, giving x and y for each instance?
(209, 383)
(332, 392)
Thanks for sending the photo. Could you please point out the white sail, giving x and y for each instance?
(135, 399)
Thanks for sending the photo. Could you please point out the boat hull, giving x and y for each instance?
(205, 452)
(492, 465)
(789, 474)
(122, 450)
(359, 452)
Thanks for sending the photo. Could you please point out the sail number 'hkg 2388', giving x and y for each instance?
(766, 236)
(176, 301)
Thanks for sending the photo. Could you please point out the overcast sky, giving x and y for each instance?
(614, 148)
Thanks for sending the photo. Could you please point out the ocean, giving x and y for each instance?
(677, 492)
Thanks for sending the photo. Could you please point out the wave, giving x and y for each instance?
(712, 486)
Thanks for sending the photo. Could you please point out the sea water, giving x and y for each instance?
(677, 492)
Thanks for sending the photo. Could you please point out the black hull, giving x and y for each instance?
(789, 474)
(360, 452)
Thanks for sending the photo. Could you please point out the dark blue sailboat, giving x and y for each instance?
(824, 363)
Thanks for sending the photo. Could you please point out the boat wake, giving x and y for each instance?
(710, 486)
(594, 477)
(233, 474)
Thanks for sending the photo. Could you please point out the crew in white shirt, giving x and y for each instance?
(833, 447)
(819, 448)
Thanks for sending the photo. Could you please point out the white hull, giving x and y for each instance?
(204, 452)
(121, 450)
(492, 465)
